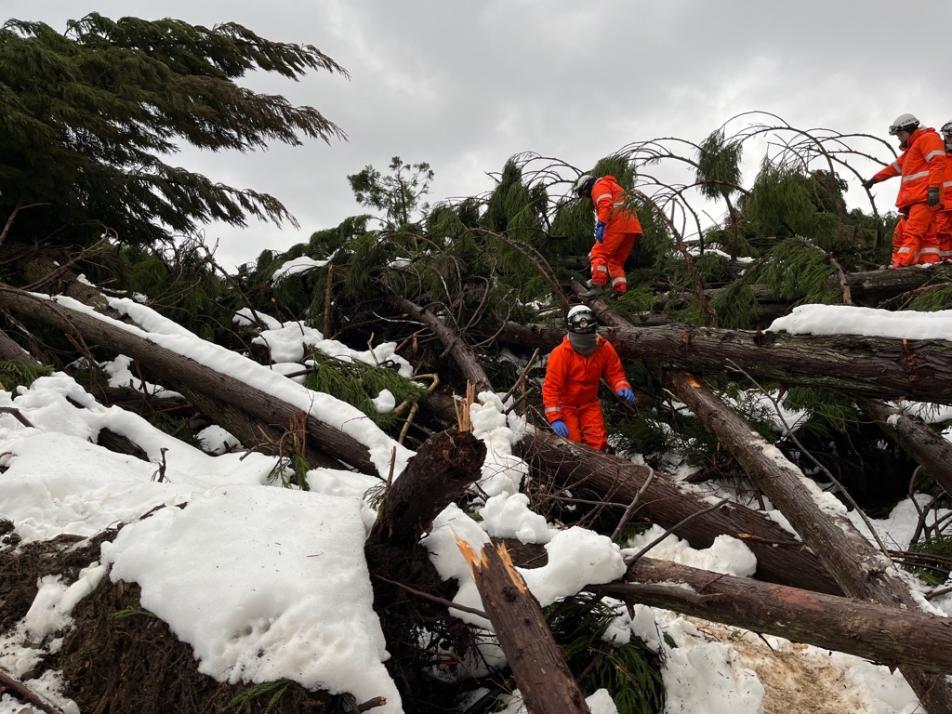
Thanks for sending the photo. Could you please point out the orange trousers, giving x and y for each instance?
(943, 233)
(914, 240)
(608, 259)
(586, 425)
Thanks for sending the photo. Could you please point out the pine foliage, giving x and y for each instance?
(87, 113)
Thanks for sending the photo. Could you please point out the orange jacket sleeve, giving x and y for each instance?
(934, 153)
(887, 172)
(613, 371)
(554, 385)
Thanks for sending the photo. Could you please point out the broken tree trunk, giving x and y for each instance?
(885, 634)
(866, 366)
(857, 566)
(929, 448)
(192, 378)
(537, 664)
(437, 475)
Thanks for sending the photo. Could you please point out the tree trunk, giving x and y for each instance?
(437, 475)
(858, 568)
(872, 286)
(462, 353)
(188, 376)
(884, 634)
(537, 664)
(929, 448)
(866, 366)
(12, 352)
(780, 557)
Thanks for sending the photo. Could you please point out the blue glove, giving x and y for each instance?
(560, 428)
(628, 395)
(600, 232)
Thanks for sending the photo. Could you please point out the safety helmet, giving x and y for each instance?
(904, 122)
(947, 127)
(581, 320)
(583, 187)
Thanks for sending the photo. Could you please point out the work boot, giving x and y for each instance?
(592, 292)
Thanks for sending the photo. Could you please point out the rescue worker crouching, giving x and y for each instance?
(616, 230)
(922, 167)
(575, 368)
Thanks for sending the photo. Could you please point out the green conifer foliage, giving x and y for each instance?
(87, 113)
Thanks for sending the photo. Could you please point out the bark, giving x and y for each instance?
(438, 474)
(866, 366)
(780, 558)
(120, 444)
(860, 570)
(192, 378)
(462, 353)
(881, 633)
(12, 352)
(43, 272)
(877, 632)
(929, 448)
(537, 665)
(872, 286)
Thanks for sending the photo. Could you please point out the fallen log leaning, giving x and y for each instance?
(186, 375)
(927, 447)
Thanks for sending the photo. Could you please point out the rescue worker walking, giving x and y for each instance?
(922, 167)
(575, 368)
(616, 230)
(943, 219)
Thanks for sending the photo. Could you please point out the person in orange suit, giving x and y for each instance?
(575, 368)
(616, 229)
(943, 219)
(922, 168)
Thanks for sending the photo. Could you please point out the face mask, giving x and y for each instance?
(583, 344)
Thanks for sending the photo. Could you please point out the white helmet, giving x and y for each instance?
(581, 320)
(904, 122)
(947, 127)
(583, 187)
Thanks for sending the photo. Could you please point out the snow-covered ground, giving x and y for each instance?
(259, 601)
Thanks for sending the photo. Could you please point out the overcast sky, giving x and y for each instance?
(465, 85)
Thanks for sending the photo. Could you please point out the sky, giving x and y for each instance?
(466, 85)
(258, 602)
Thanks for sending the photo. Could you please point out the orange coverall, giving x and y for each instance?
(943, 218)
(622, 229)
(921, 165)
(570, 390)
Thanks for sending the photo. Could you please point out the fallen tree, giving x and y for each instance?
(865, 366)
(238, 407)
(929, 448)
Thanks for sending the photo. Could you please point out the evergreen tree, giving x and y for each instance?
(398, 194)
(86, 115)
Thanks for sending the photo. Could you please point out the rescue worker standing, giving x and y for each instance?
(575, 368)
(922, 167)
(616, 230)
(943, 219)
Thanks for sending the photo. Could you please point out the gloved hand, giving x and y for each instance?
(560, 428)
(600, 232)
(627, 395)
(932, 196)
(868, 183)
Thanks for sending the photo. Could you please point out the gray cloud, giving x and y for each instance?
(466, 85)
